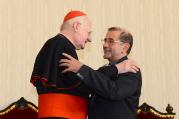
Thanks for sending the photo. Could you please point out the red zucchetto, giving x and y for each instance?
(73, 14)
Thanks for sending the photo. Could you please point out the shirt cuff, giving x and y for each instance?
(80, 71)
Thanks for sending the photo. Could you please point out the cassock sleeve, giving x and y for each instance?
(100, 81)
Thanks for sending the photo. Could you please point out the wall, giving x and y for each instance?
(26, 24)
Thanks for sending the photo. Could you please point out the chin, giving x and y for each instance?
(106, 57)
(80, 48)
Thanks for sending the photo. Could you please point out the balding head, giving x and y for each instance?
(80, 20)
(77, 30)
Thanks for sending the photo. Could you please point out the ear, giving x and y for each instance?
(126, 47)
(76, 26)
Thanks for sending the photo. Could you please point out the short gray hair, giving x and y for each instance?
(125, 36)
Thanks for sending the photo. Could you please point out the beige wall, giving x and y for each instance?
(26, 24)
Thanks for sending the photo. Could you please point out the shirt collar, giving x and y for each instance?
(118, 61)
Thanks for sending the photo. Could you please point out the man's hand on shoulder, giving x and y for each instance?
(70, 63)
(127, 66)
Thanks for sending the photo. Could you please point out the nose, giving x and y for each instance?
(105, 44)
(89, 39)
(105, 47)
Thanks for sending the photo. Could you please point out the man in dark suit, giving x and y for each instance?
(117, 98)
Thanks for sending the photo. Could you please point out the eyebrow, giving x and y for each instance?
(108, 38)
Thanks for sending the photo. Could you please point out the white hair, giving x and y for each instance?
(68, 24)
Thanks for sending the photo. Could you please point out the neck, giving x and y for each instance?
(68, 35)
(117, 58)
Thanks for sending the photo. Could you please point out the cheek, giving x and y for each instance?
(81, 40)
(81, 36)
(107, 53)
(114, 51)
(85, 35)
(77, 36)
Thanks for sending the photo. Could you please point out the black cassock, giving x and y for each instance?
(60, 94)
(117, 98)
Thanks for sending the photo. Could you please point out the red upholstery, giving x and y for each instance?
(21, 109)
(150, 115)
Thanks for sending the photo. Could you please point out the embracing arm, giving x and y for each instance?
(125, 84)
(101, 81)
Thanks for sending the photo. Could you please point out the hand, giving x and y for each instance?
(70, 63)
(127, 66)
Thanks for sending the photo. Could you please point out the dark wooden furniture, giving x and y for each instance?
(21, 109)
(146, 111)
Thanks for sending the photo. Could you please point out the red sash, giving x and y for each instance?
(62, 105)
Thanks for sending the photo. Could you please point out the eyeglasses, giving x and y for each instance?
(109, 41)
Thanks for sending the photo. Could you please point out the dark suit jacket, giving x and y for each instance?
(114, 98)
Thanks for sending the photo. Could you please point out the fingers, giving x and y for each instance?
(135, 68)
(67, 56)
(64, 65)
(132, 70)
(64, 61)
(67, 67)
(66, 70)
(134, 63)
(68, 63)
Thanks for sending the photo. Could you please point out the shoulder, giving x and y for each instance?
(58, 39)
(137, 77)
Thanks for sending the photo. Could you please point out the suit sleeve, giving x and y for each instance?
(100, 81)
